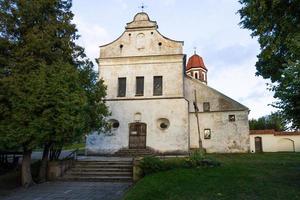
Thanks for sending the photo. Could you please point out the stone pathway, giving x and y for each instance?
(71, 190)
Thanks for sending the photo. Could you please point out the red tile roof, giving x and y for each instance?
(273, 132)
(195, 61)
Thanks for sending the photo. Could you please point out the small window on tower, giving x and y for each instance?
(196, 75)
(121, 87)
(206, 107)
(157, 85)
(139, 86)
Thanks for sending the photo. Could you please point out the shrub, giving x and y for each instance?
(151, 164)
(195, 159)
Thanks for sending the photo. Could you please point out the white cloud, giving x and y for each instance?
(92, 36)
(240, 83)
(228, 51)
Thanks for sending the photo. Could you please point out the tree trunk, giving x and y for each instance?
(44, 163)
(26, 171)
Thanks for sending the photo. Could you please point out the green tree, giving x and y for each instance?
(277, 26)
(49, 93)
(273, 121)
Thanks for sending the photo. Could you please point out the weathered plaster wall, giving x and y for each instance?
(226, 136)
(175, 138)
(169, 67)
(275, 143)
(141, 38)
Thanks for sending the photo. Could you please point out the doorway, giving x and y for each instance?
(137, 135)
(258, 145)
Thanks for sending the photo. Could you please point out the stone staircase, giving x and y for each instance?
(100, 171)
(135, 152)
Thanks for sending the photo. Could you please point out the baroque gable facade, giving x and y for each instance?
(152, 95)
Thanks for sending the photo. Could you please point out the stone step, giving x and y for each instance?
(98, 178)
(108, 169)
(88, 174)
(134, 152)
(93, 170)
(104, 163)
(101, 166)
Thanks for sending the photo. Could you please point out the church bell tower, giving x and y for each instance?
(196, 68)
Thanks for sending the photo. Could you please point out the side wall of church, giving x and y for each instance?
(172, 139)
(226, 135)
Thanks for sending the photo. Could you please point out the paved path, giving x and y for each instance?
(71, 191)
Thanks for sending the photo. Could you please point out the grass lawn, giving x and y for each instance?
(241, 176)
(74, 146)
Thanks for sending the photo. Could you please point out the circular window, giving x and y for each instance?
(114, 124)
(163, 123)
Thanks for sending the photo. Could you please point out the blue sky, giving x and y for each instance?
(212, 26)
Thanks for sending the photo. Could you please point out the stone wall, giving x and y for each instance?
(273, 141)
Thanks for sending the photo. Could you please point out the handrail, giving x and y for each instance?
(72, 154)
(10, 157)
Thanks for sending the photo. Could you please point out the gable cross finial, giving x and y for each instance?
(142, 7)
(195, 50)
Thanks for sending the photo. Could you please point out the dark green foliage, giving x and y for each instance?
(49, 92)
(277, 26)
(152, 164)
(49, 96)
(268, 176)
(273, 121)
(195, 159)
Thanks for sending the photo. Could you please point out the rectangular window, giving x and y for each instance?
(122, 87)
(206, 107)
(231, 118)
(139, 90)
(157, 85)
(207, 133)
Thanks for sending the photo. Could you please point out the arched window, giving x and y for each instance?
(196, 75)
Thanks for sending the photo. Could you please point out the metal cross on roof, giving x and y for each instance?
(142, 7)
(195, 50)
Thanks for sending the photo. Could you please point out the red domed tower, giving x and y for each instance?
(196, 68)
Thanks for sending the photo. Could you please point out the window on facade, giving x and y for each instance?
(121, 87)
(157, 85)
(114, 124)
(196, 75)
(207, 133)
(139, 91)
(231, 118)
(206, 107)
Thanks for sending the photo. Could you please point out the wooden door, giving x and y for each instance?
(258, 145)
(137, 135)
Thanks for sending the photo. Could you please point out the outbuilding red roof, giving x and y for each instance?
(195, 61)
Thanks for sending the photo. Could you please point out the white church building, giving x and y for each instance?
(161, 103)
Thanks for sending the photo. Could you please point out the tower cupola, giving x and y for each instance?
(196, 68)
